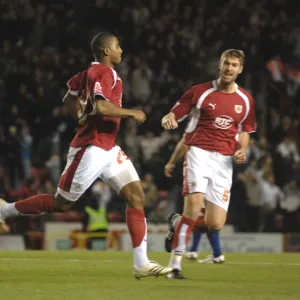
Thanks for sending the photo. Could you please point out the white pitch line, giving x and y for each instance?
(116, 260)
(262, 263)
(54, 259)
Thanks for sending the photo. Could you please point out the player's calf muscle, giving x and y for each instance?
(133, 193)
(136, 200)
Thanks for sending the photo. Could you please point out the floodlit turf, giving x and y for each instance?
(108, 275)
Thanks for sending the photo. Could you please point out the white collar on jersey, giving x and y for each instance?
(114, 73)
(214, 83)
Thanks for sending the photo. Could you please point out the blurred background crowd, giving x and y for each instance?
(168, 46)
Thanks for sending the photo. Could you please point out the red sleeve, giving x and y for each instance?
(183, 107)
(74, 84)
(249, 124)
(101, 82)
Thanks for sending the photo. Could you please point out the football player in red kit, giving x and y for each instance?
(221, 116)
(95, 98)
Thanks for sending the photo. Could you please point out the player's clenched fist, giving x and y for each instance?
(240, 156)
(139, 115)
(169, 169)
(169, 121)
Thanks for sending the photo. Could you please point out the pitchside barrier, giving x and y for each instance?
(59, 235)
(68, 236)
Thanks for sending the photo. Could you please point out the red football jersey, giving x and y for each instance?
(97, 80)
(216, 118)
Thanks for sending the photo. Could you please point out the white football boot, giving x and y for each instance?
(151, 269)
(212, 260)
(191, 255)
(2, 204)
(3, 226)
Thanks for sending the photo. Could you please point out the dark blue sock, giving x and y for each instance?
(214, 239)
(196, 240)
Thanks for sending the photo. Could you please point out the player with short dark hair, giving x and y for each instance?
(222, 115)
(95, 99)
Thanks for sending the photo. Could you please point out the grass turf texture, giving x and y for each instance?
(108, 275)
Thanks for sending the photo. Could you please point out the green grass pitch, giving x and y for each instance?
(84, 275)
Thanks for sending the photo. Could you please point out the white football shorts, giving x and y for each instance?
(86, 164)
(209, 173)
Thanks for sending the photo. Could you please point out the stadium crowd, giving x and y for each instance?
(168, 46)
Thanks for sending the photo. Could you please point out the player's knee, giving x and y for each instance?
(193, 206)
(215, 225)
(60, 204)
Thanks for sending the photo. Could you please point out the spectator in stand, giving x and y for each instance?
(169, 46)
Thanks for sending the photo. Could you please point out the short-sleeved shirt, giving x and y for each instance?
(97, 80)
(215, 118)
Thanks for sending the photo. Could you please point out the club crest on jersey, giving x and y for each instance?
(238, 109)
(97, 88)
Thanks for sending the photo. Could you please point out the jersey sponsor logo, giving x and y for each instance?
(223, 122)
(97, 88)
(238, 109)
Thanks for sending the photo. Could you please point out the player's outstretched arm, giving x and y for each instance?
(106, 108)
(177, 154)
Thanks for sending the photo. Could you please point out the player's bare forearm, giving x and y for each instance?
(243, 141)
(106, 108)
(179, 151)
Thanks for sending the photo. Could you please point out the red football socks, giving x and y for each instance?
(35, 205)
(135, 219)
(200, 225)
(184, 229)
